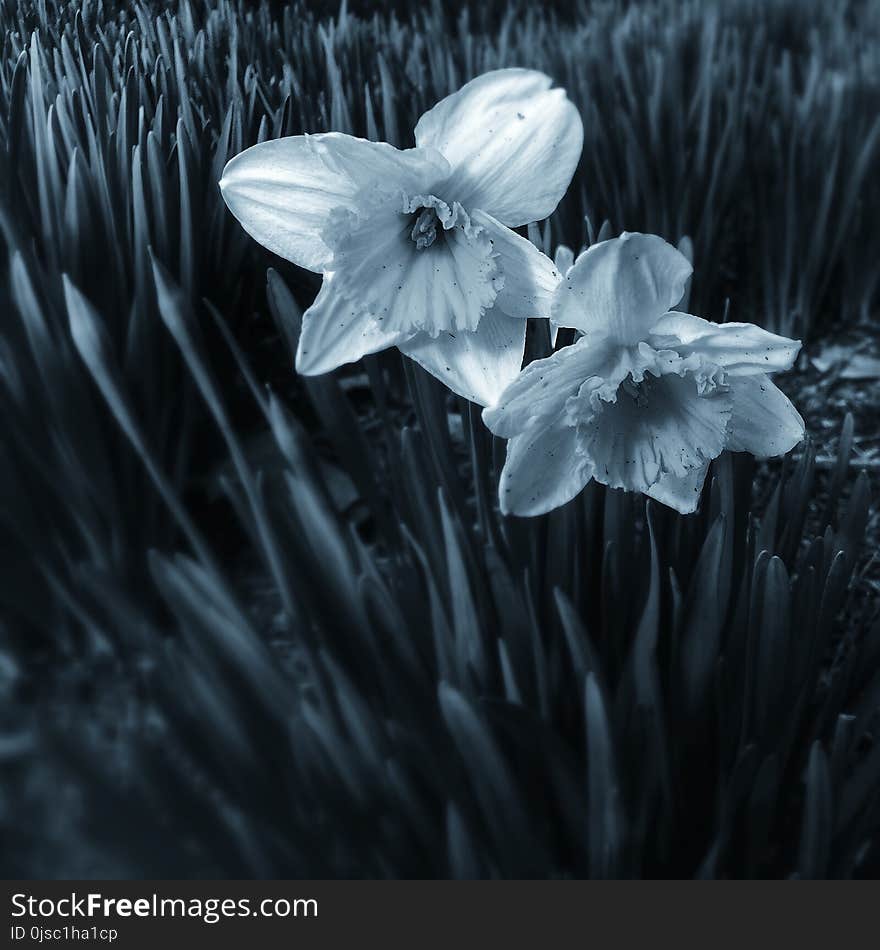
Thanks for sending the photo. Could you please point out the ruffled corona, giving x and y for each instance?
(415, 264)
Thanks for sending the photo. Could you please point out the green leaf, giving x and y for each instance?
(816, 824)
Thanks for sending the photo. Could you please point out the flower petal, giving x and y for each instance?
(681, 492)
(763, 422)
(544, 470)
(477, 365)
(664, 427)
(411, 170)
(512, 141)
(741, 348)
(529, 276)
(283, 191)
(337, 330)
(540, 391)
(621, 288)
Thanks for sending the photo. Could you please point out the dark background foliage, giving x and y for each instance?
(261, 625)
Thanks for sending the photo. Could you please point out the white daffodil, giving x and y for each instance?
(415, 246)
(647, 397)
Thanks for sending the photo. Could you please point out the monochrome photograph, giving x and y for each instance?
(438, 441)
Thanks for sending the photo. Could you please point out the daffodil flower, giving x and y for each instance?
(415, 245)
(647, 397)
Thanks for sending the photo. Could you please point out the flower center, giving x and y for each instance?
(638, 392)
(426, 227)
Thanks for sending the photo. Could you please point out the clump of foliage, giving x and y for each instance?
(284, 631)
